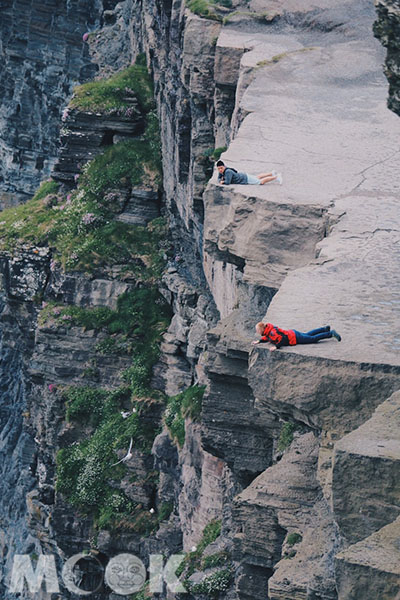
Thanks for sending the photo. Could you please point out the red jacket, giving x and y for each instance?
(278, 337)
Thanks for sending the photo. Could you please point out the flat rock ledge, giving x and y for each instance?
(371, 568)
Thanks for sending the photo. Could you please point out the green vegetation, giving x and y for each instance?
(215, 560)
(88, 404)
(213, 584)
(293, 538)
(203, 8)
(209, 9)
(142, 315)
(183, 405)
(115, 344)
(286, 436)
(278, 57)
(80, 227)
(46, 189)
(193, 560)
(85, 475)
(116, 94)
(165, 510)
(81, 230)
(214, 154)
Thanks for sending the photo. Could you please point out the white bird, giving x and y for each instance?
(125, 414)
(151, 511)
(127, 456)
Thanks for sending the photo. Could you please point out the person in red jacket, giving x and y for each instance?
(290, 337)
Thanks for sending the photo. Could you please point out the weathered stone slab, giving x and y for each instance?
(371, 568)
(285, 499)
(366, 474)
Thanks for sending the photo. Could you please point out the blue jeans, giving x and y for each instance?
(313, 336)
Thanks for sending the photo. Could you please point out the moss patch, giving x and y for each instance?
(185, 404)
(293, 538)
(114, 95)
(193, 560)
(286, 436)
(209, 9)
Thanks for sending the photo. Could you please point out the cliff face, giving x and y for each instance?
(43, 56)
(386, 29)
(270, 490)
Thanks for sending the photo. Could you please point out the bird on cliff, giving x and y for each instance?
(127, 456)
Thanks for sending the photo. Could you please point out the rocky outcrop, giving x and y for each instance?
(86, 134)
(285, 502)
(363, 502)
(386, 29)
(331, 388)
(370, 568)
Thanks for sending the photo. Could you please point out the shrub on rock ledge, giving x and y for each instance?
(117, 94)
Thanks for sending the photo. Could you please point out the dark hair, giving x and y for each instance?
(220, 164)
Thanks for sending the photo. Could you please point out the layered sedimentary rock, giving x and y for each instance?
(363, 502)
(285, 502)
(320, 249)
(370, 568)
(86, 134)
(331, 388)
(43, 57)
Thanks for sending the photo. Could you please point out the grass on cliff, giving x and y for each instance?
(193, 560)
(286, 436)
(218, 581)
(80, 227)
(209, 8)
(85, 475)
(115, 94)
(141, 317)
(179, 407)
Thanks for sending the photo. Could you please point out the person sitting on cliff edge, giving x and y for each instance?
(281, 337)
(227, 175)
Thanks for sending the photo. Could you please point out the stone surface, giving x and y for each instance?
(233, 426)
(284, 499)
(206, 485)
(366, 474)
(43, 57)
(387, 30)
(86, 134)
(25, 275)
(371, 568)
(306, 71)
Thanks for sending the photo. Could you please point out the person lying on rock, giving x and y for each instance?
(227, 175)
(281, 337)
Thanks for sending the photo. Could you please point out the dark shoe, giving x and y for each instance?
(336, 335)
(327, 327)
